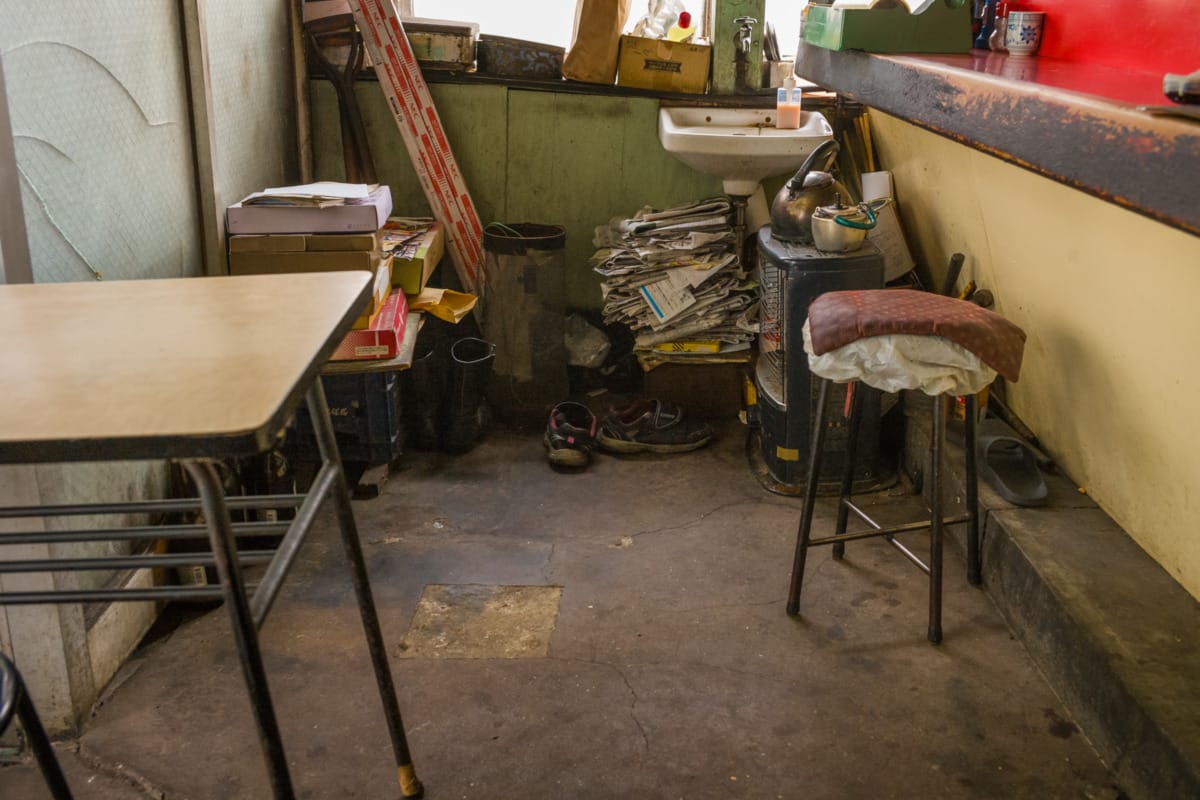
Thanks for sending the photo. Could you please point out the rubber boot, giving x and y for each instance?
(426, 387)
(470, 373)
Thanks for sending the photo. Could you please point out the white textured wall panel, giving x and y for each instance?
(250, 69)
(100, 123)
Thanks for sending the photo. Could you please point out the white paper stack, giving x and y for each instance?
(674, 278)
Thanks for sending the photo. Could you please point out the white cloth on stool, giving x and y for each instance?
(932, 364)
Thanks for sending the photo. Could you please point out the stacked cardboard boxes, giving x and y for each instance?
(400, 252)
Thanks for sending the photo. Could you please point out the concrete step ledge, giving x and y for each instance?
(1114, 634)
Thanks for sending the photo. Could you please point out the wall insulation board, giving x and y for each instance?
(100, 124)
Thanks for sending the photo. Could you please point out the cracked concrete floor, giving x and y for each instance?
(672, 669)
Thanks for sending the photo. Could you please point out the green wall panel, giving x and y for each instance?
(475, 121)
(557, 158)
(580, 160)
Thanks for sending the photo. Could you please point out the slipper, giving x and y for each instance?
(1008, 463)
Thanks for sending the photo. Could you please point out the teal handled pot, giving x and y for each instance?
(841, 229)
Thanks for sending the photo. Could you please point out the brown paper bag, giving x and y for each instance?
(593, 55)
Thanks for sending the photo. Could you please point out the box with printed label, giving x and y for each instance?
(365, 215)
(663, 65)
(382, 339)
(379, 296)
(416, 246)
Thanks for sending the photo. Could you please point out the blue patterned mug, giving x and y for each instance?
(1023, 35)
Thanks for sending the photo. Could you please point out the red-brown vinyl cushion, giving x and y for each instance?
(839, 318)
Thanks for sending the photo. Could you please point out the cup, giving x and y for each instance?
(1023, 34)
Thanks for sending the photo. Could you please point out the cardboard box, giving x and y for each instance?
(365, 216)
(663, 66)
(939, 29)
(379, 296)
(413, 259)
(704, 391)
(331, 261)
(442, 44)
(303, 242)
(382, 339)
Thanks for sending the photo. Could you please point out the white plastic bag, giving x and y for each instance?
(898, 361)
(660, 16)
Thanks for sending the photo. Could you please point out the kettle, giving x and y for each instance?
(808, 189)
(842, 229)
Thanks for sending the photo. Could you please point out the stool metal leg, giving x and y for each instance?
(810, 498)
(974, 567)
(410, 785)
(14, 697)
(843, 516)
(220, 534)
(940, 406)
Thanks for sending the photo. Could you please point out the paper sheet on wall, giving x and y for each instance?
(887, 235)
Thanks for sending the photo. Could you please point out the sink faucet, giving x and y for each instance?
(741, 51)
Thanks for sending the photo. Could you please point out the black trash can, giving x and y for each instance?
(524, 315)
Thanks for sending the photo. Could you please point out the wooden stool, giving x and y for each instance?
(838, 319)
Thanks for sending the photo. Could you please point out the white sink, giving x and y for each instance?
(739, 145)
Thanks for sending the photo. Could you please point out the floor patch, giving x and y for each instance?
(478, 621)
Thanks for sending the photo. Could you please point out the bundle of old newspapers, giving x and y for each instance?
(675, 278)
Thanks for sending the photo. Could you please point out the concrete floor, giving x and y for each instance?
(671, 670)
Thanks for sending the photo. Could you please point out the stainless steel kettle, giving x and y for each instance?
(804, 193)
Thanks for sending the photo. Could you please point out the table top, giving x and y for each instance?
(149, 369)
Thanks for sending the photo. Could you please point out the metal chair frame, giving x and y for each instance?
(14, 701)
(935, 524)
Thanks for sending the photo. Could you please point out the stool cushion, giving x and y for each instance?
(836, 319)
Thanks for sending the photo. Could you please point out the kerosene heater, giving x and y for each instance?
(792, 273)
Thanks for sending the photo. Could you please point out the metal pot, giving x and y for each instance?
(808, 189)
(841, 229)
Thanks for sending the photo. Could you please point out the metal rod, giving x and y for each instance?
(410, 785)
(974, 565)
(909, 554)
(940, 408)
(187, 593)
(150, 506)
(129, 562)
(907, 527)
(39, 743)
(146, 532)
(851, 506)
(285, 554)
(216, 515)
(810, 500)
(856, 389)
(894, 530)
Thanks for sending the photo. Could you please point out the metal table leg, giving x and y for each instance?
(15, 699)
(410, 785)
(220, 534)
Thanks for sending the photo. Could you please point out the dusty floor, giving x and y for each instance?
(670, 669)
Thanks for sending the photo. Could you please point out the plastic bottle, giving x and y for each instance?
(787, 103)
(683, 29)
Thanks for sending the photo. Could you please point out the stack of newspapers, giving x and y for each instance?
(676, 279)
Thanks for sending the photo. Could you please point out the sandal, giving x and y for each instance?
(652, 426)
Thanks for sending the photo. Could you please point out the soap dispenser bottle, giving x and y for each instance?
(787, 103)
(683, 28)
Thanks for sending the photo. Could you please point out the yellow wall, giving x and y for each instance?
(1108, 298)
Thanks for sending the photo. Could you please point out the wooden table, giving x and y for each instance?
(193, 369)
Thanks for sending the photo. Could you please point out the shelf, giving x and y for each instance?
(1037, 113)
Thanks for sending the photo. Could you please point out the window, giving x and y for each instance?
(553, 22)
